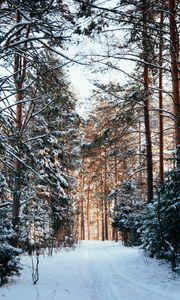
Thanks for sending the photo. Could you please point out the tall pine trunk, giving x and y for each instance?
(19, 73)
(82, 229)
(161, 137)
(114, 230)
(18, 81)
(82, 220)
(146, 105)
(174, 52)
(88, 210)
(102, 200)
(105, 197)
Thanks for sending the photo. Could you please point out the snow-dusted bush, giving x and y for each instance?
(161, 228)
(9, 262)
(127, 214)
(9, 255)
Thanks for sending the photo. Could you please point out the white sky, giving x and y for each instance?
(81, 79)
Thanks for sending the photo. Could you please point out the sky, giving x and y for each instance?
(82, 83)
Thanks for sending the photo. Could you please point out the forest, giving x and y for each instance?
(112, 173)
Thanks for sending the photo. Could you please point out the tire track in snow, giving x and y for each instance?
(150, 294)
(99, 287)
(84, 273)
(105, 283)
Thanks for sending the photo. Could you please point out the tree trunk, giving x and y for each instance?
(82, 219)
(97, 223)
(19, 73)
(97, 215)
(88, 210)
(174, 51)
(114, 230)
(146, 107)
(105, 198)
(102, 200)
(161, 140)
(102, 216)
(102, 211)
(18, 81)
(140, 177)
(82, 227)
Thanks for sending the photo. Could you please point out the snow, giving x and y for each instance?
(95, 271)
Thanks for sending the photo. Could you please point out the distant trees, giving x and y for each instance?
(109, 153)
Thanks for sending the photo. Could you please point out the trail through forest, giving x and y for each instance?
(95, 271)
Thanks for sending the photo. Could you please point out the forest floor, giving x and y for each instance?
(95, 271)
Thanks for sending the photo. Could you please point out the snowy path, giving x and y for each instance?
(95, 271)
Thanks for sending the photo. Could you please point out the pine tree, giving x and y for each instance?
(30, 27)
(53, 148)
(127, 213)
(160, 232)
(9, 260)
